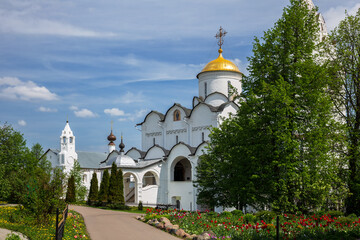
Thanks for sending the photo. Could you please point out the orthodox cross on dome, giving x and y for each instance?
(220, 36)
(112, 124)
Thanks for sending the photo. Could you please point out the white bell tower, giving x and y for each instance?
(67, 154)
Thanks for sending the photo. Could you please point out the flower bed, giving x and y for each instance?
(237, 226)
(15, 218)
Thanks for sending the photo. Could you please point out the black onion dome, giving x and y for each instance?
(121, 145)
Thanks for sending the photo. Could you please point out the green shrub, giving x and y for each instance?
(118, 206)
(344, 220)
(352, 216)
(335, 214)
(12, 236)
(249, 218)
(237, 213)
(140, 206)
(226, 214)
(267, 216)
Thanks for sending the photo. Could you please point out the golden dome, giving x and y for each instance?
(220, 64)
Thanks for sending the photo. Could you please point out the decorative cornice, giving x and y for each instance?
(153, 134)
(183, 130)
(200, 128)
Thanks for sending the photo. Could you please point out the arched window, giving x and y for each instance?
(177, 115)
(64, 139)
(71, 139)
(229, 88)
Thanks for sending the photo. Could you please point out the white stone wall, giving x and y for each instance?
(218, 82)
(150, 129)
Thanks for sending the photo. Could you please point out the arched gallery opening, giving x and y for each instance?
(130, 186)
(149, 179)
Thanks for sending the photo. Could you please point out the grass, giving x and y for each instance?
(17, 219)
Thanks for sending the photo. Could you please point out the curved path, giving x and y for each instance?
(109, 225)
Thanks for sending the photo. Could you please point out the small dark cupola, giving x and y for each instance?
(121, 145)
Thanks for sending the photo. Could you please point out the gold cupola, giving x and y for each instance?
(220, 64)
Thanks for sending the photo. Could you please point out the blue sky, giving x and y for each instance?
(101, 61)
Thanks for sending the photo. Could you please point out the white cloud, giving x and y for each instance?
(134, 116)
(22, 122)
(45, 109)
(85, 113)
(20, 22)
(334, 15)
(114, 112)
(73, 108)
(130, 97)
(14, 88)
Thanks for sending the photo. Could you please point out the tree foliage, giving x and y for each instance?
(26, 179)
(104, 187)
(276, 150)
(94, 192)
(116, 186)
(79, 186)
(345, 62)
(71, 190)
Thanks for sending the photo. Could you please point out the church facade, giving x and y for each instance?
(163, 170)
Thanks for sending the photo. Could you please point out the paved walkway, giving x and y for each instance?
(109, 225)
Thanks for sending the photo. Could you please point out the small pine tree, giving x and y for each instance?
(113, 185)
(70, 193)
(140, 206)
(93, 193)
(104, 188)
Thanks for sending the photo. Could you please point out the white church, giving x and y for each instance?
(163, 170)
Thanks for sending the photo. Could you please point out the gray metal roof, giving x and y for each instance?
(90, 159)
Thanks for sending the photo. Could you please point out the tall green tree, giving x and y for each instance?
(71, 190)
(116, 186)
(345, 62)
(94, 192)
(281, 138)
(104, 187)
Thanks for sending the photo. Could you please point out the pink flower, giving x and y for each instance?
(75, 236)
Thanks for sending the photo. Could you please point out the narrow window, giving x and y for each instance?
(205, 89)
(177, 139)
(177, 115)
(229, 88)
(71, 140)
(202, 136)
(153, 141)
(64, 139)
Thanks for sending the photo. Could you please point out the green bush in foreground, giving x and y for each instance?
(18, 219)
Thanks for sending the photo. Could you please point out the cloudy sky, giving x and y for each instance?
(94, 62)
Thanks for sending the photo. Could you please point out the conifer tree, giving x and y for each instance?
(120, 180)
(113, 185)
(93, 193)
(71, 192)
(104, 187)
